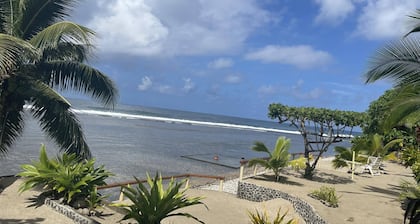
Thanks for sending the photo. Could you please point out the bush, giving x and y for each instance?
(262, 218)
(65, 177)
(153, 206)
(326, 195)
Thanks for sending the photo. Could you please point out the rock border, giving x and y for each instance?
(68, 212)
(253, 192)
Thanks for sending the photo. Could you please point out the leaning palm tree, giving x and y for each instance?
(61, 50)
(276, 160)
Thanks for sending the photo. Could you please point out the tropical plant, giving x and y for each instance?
(344, 154)
(42, 54)
(319, 128)
(277, 159)
(65, 177)
(298, 164)
(399, 61)
(153, 206)
(410, 197)
(94, 201)
(326, 195)
(262, 218)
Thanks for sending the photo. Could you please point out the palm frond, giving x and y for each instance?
(60, 32)
(260, 147)
(11, 51)
(415, 18)
(281, 149)
(67, 52)
(262, 162)
(398, 61)
(11, 127)
(82, 78)
(403, 107)
(33, 16)
(57, 120)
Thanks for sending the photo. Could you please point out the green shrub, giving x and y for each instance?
(326, 195)
(262, 218)
(298, 164)
(65, 177)
(153, 206)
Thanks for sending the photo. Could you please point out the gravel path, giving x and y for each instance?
(229, 186)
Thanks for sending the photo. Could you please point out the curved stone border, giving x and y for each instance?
(69, 212)
(253, 192)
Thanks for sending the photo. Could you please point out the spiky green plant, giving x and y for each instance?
(262, 218)
(154, 205)
(66, 176)
(277, 159)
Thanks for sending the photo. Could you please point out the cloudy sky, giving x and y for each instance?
(235, 57)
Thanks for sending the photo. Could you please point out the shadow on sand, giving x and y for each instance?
(323, 177)
(270, 178)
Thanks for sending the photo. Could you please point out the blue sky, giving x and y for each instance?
(235, 57)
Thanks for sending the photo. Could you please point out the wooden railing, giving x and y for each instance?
(187, 183)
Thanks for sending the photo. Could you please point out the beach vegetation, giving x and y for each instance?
(326, 195)
(153, 203)
(399, 62)
(43, 55)
(65, 177)
(276, 160)
(298, 164)
(258, 217)
(319, 128)
(410, 198)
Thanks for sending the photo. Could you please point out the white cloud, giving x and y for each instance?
(128, 26)
(145, 84)
(221, 63)
(233, 79)
(189, 85)
(384, 19)
(301, 56)
(182, 27)
(333, 11)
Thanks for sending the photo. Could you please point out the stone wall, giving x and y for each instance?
(69, 212)
(253, 192)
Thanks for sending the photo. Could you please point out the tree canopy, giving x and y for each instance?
(319, 127)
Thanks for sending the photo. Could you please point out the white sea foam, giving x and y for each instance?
(182, 121)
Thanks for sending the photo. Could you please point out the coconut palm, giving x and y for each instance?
(399, 62)
(58, 64)
(276, 160)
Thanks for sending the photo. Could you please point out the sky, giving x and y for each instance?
(235, 57)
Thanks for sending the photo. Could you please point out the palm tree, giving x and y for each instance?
(399, 62)
(276, 160)
(57, 63)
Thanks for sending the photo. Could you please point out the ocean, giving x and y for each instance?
(132, 140)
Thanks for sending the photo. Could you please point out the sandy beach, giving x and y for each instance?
(366, 199)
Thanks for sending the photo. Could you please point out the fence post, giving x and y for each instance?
(121, 198)
(241, 170)
(221, 185)
(187, 183)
